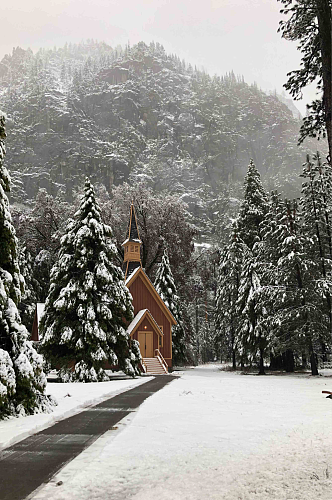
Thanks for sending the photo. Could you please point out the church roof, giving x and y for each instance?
(129, 267)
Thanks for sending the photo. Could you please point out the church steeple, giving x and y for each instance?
(132, 246)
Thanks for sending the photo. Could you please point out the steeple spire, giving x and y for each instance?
(132, 246)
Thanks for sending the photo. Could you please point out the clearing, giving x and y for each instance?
(216, 435)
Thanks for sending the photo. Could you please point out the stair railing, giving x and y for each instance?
(144, 365)
(161, 359)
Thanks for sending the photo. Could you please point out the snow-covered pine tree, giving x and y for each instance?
(300, 312)
(253, 336)
(268, 253)
(22, 380)
(88, 303)
(253, 207)
(165, 286)
(316, 203)
(228, 318)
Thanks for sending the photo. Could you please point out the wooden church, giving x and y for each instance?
(153, 321)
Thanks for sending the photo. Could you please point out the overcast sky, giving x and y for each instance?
(219, 35)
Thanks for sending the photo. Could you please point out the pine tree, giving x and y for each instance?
(165, 286)
(88, 303)
(316, 203)
(22, 380)
(281, 343)
(228, 319)
(253, 207)
(301, 314)
(253, 337)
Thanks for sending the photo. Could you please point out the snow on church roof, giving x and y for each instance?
(132, 274)
(138, 318)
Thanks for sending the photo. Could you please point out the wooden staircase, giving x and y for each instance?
(154, 366)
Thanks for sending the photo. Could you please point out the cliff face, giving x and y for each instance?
(138, 114)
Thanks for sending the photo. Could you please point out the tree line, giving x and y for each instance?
(275, 283)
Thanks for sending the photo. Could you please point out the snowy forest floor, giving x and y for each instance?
(71, 399)
(212, 434)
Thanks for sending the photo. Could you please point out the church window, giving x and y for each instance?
(132, 248)
(136, 248)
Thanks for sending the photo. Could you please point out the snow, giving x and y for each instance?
(132, 275)
(212, 434)
(40, 311)
(72, 398)
(136, 320)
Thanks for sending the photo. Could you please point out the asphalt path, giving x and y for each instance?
(34, 461)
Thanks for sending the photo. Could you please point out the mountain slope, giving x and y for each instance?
(136, 114)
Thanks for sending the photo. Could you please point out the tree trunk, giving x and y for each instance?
(324, 27)
(234, 359)
(275, 362)
(313, 360)
(304, 360)
(261, 362)
(289, 361)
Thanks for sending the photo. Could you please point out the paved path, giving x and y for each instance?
(33, 461)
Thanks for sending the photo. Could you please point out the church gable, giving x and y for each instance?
(145, 295)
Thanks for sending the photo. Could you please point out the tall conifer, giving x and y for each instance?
(253, 207)
(167, 290)
(228, 318)
(88, 303)
(22, 380)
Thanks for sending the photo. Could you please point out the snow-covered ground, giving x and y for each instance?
(212, 435)
(71, 399)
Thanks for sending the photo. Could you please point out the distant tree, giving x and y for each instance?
(167, 290)
(310, 25)
(253, 207)
(88, 303)
(228, 317)
(22, 380)
(316, 203)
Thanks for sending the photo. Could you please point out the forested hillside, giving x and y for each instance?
(140, 114)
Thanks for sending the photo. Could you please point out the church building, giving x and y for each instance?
(153, 321)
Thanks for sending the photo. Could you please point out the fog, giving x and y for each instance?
(217, 35)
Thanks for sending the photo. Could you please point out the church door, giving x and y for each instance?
(145, 340)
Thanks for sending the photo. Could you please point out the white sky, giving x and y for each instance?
(219, 35)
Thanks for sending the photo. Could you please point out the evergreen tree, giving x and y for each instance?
(167, 290)
(316, 203)
(253, 335)
(22, 380)
(253, 207)
(88, 302)
(310, 24)
(300, 311)
(228, 319)
(281, 344)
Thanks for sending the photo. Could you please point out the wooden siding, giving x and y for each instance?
(143, 299)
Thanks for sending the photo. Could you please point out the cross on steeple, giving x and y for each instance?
(132, 246)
